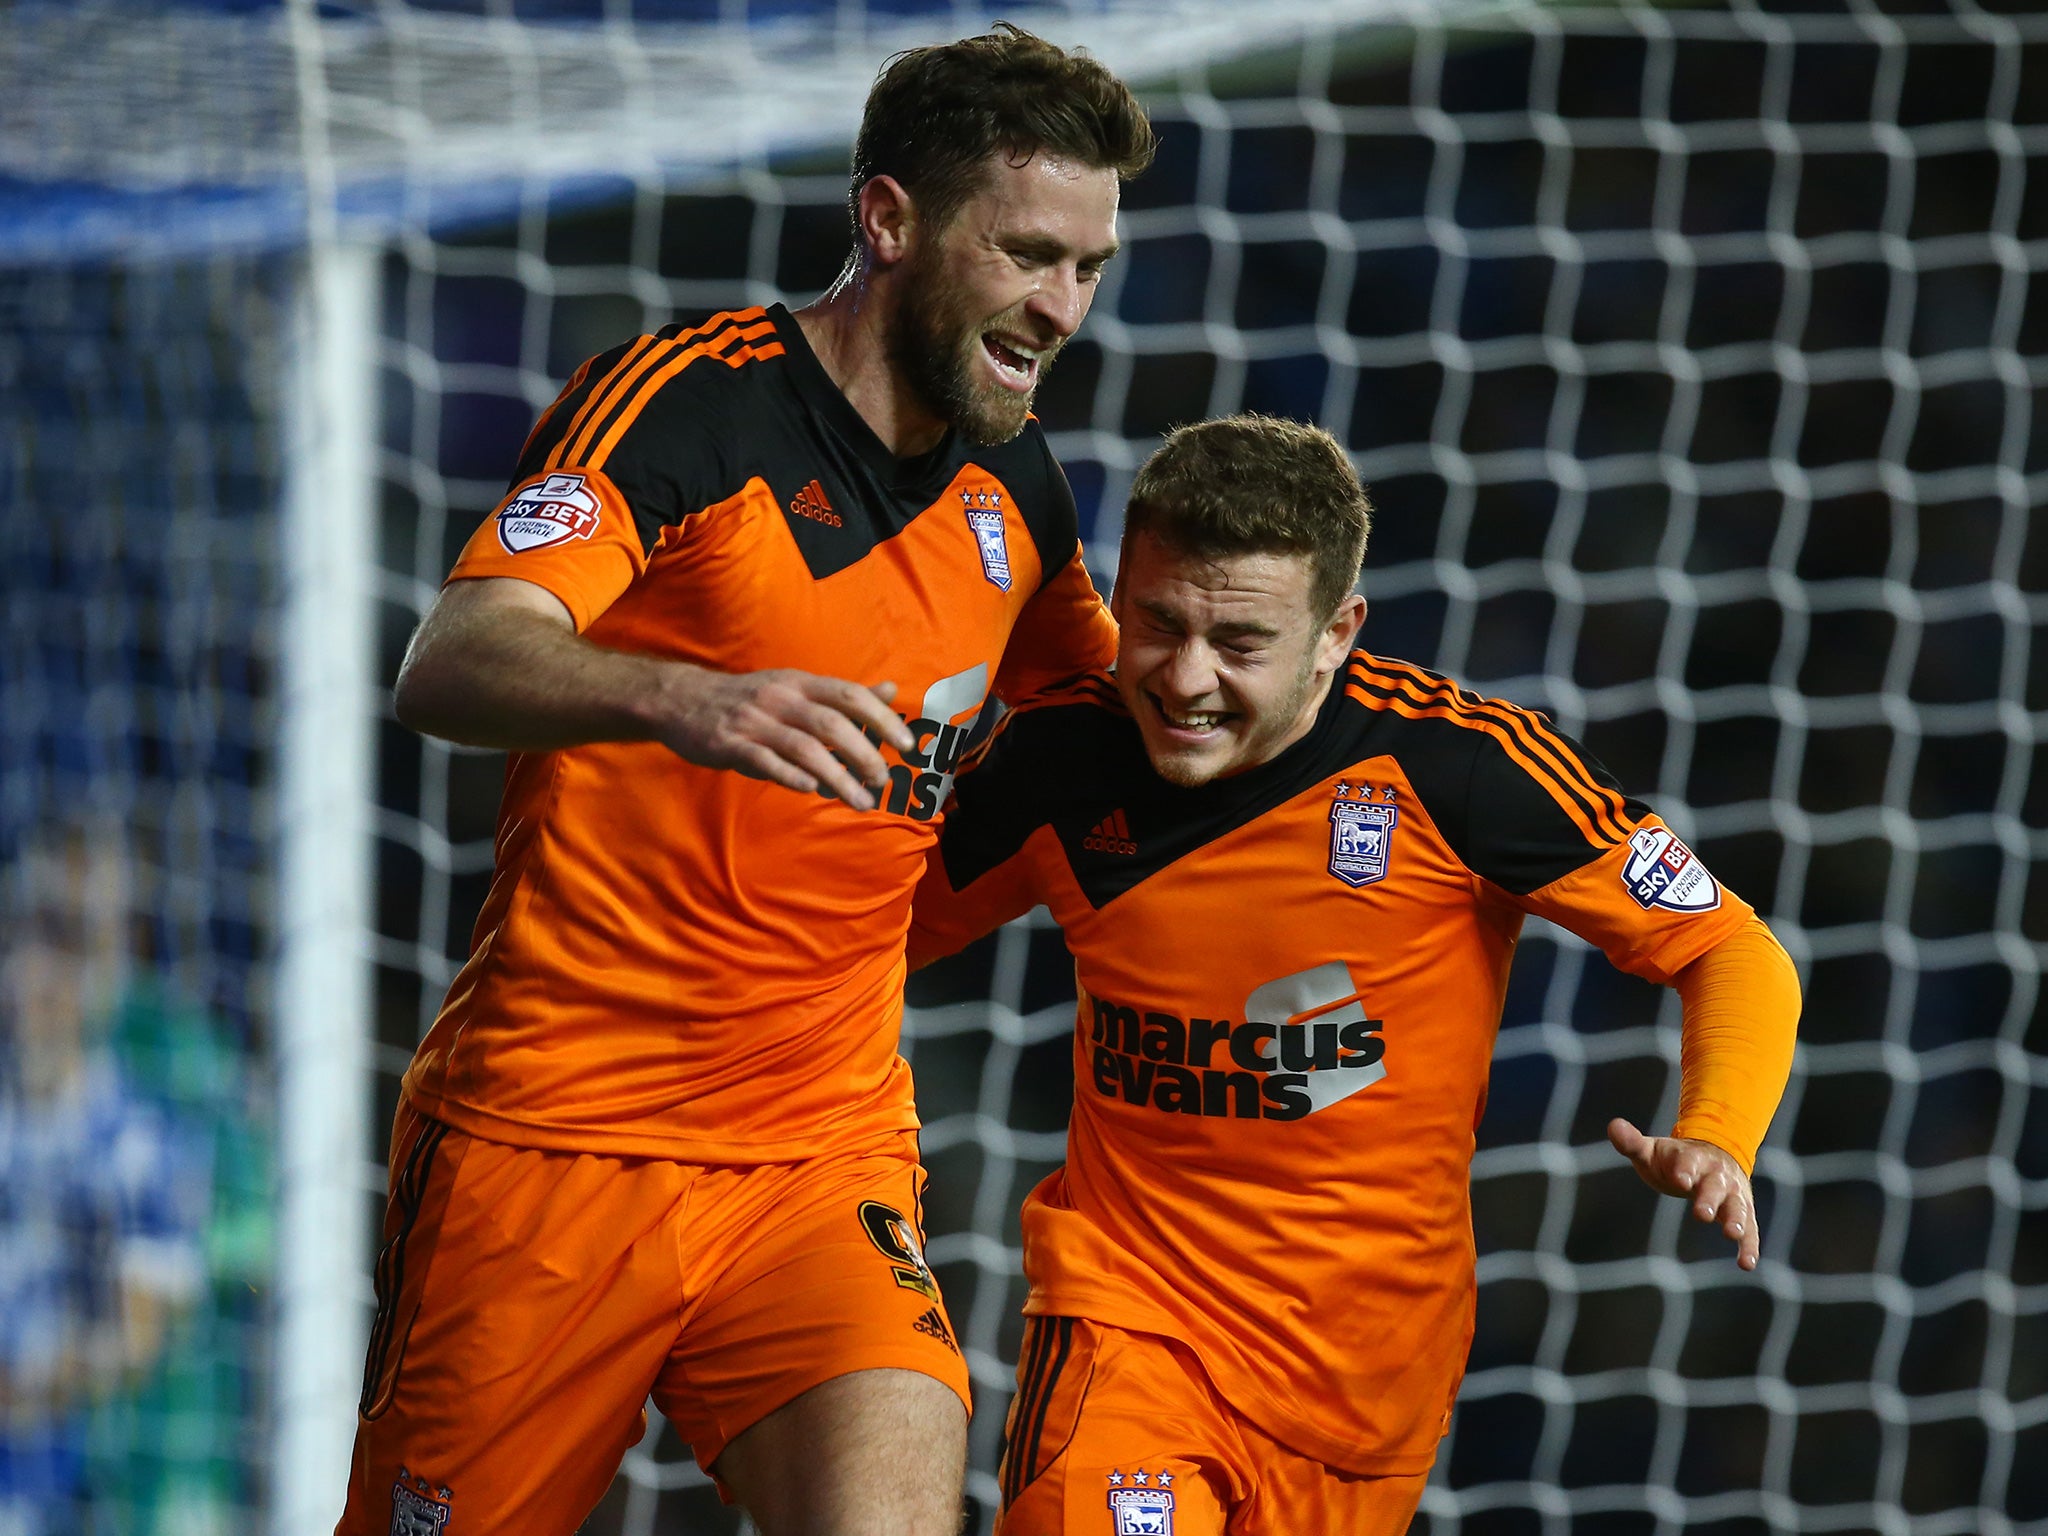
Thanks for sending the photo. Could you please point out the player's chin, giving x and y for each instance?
(1182, 765)
(993, 418)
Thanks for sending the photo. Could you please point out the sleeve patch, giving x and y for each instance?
(551, 511)
(1662, 872)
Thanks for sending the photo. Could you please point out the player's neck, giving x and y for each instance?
(848, 328)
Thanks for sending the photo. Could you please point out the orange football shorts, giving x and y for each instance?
(1115, 1433)
(529, 1302)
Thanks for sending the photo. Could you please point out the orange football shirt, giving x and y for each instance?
(676, 961)
(1290, 981)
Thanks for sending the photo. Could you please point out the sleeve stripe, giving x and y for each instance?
(540, 425)
(624, 381)
(1596, 810)
(1414, 711)
(603, 391)
(1571, 770)
(674, 362)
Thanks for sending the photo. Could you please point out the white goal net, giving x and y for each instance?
(1694, 356)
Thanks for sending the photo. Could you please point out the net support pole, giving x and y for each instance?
(323, 1003)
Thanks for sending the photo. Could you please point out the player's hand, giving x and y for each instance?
(796, 729)
(1698, 1170)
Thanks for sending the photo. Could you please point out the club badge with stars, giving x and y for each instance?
(984, 510)
(1362, 821)
(418, 1508)
(1141, 1503)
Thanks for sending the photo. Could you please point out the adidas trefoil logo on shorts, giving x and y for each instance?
(417, 1508)
(933, 1325)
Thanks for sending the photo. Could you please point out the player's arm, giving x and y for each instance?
(498, 662)
(945, 919)
(1548, 825)
(983, 868)
(1741, 1002)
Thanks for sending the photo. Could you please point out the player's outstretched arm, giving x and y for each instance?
(1711, 1178)
(497, 663)
(1741, 1003)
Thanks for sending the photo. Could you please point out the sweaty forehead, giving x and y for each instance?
(1047, 190)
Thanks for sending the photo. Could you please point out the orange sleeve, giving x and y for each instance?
(1741, 1002)
(1064, 631)
(943, 920)
(986, 865)
(568, 531)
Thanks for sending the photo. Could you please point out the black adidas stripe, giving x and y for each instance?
(1052, 1379)
(390, 1273)
(1037, 1344)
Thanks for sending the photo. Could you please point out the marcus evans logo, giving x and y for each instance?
(1662, 872)
(555, 509)
(922, 778)
(1303, 1044)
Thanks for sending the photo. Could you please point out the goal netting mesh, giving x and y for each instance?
(1694, 357)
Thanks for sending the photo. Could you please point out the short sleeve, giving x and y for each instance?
(569, 531)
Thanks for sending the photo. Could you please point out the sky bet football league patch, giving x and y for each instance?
(1662, 872)
(556, 509)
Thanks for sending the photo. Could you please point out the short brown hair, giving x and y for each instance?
(1257, 485)
(936, 114)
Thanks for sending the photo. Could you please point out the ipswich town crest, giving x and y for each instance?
(418, 1509)
(1142, 1510)
(1361, 833)
(985, 517)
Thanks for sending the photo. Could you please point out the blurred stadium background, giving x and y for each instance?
(1695, 357)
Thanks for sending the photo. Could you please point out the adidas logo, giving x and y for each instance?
(933, 1325)
(1111, 835)
(810, 502)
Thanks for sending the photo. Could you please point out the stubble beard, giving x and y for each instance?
(936, 344)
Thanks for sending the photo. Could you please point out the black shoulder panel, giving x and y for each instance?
(1042, 765)
(677, 454)
(554, 423)
(1495, 778)
(1080, 768)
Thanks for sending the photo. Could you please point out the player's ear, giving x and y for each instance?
(1340, 633)
(887, 219)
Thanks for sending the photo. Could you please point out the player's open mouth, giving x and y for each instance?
(1191, 724)
(1016, 363)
